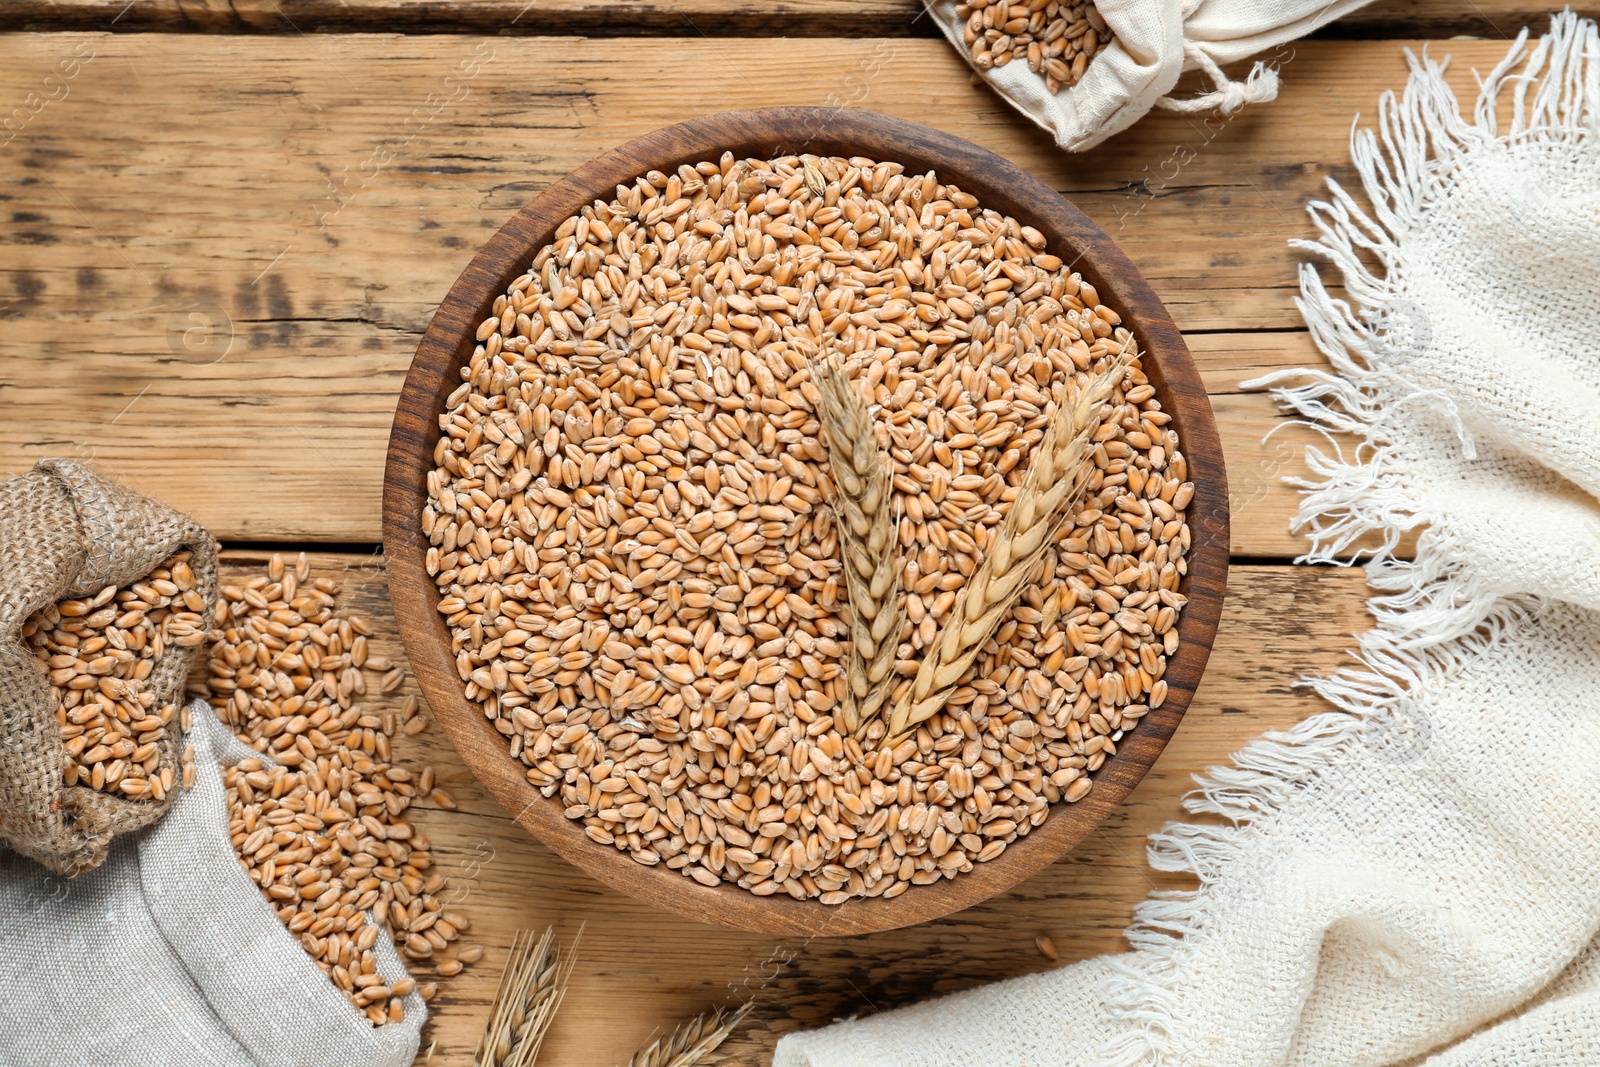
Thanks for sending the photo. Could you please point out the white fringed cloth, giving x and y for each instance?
(1414, 876)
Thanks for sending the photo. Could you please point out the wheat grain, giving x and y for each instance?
(99, 653)
(322, 831)
(1058, 38)
(640, 571)
(1055, 480)
(695, 1043)
(868, 545)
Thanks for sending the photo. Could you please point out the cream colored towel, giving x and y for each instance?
(1413, 877)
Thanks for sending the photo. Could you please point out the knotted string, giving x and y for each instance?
(1259, 86)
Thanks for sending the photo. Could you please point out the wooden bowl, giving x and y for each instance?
(997, 184)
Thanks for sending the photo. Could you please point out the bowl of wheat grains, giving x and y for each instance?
(805, 521)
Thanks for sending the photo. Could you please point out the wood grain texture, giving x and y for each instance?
(237, 256)
(298, 204)
(786, 18)
(448, 345)
(1279, 623)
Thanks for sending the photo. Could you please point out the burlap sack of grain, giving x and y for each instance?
(65, 531)
(1154, 41)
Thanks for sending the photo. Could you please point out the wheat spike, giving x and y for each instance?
(1047, 497)
(869, 545)
(694, 1044)
(525, 1001)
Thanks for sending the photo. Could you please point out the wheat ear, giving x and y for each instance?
(869, 545)
(525, 1002)
(694, 1044)
(1047, 497)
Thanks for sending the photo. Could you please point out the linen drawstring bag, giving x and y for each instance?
(168, 954)
(1153, 42)
(1410, 877)
(66, 531)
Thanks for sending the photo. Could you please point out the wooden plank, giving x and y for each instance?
(177, 237)
(1280, 623)
(1492, 20)
(787, 18)
(274, 453)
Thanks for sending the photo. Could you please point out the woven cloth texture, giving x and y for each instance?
(66, 531)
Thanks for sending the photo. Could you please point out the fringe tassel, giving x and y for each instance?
(1431, 612)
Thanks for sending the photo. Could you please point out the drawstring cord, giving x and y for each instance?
(1259, 86)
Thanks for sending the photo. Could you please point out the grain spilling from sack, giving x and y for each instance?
(630, 530)
(322, 829)
(99, 652)
(1057, 38)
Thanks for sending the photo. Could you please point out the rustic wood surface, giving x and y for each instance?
(788, 18)
(448, 346)
(202, 230)
(222, 242)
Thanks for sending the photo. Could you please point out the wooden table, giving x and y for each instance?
(226, 224)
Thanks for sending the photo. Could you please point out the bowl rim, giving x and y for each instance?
(771, 133)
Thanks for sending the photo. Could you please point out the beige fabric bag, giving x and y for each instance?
(168, 955)
(1155, 41)
(66, 531)
(1410, 877)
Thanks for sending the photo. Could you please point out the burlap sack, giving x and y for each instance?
(65, 531)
